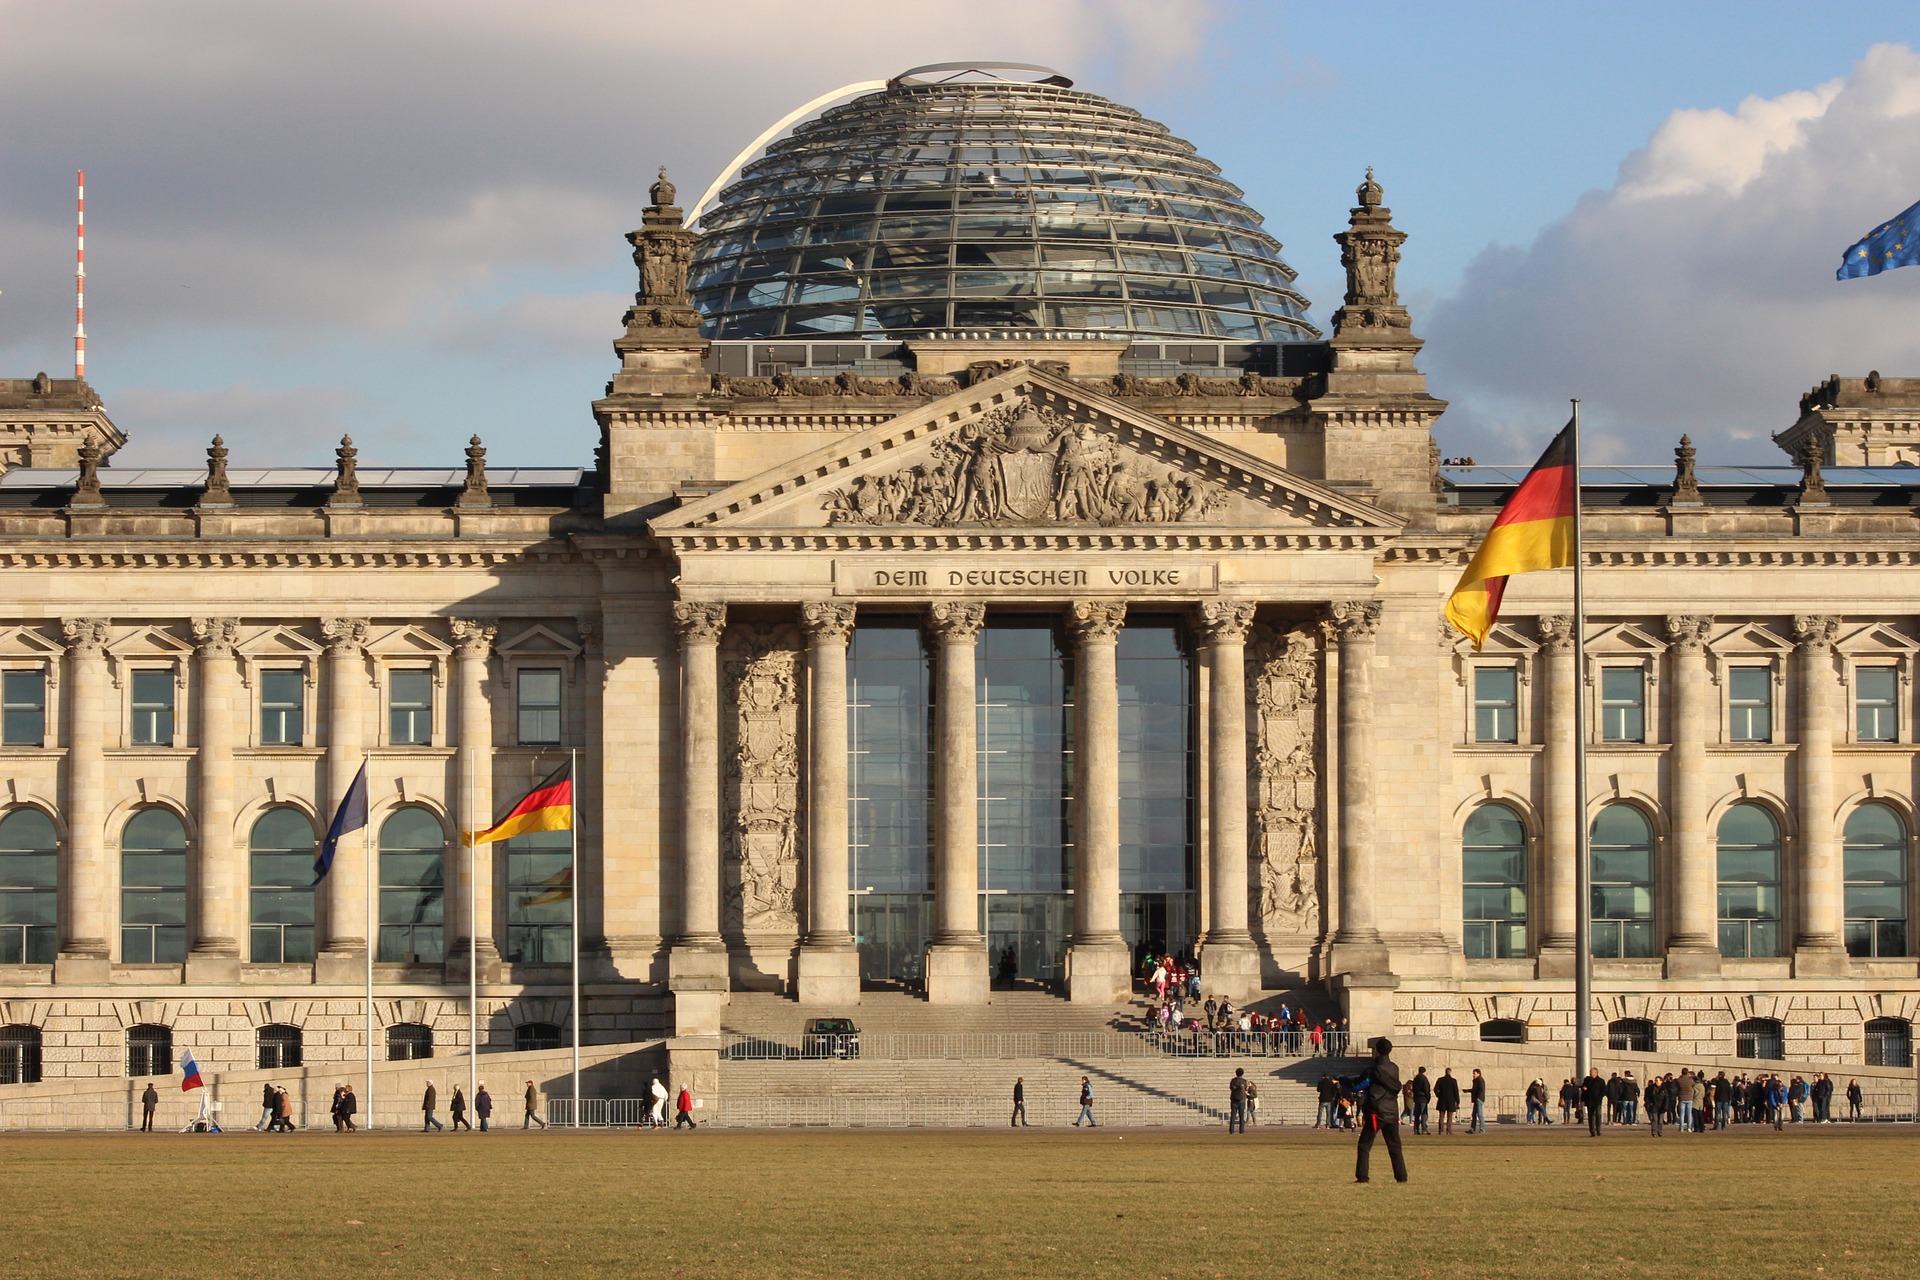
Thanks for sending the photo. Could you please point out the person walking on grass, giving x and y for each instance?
(427, 1104)
(1593, 1096)
(657, 1117)
(1379, 1091)
(349, 1106)
(266, 1108)
(1237, 1101)
(1446, 1099)
(149, 1103)
(1086, 1104)
(533, 1107)
(1477, 1092)
(684, 1107)
(1854, 1100)
(1422, 1095)
(482, 1105)
(1019, 1103)
(457, 1107)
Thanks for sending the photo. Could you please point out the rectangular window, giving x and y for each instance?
(1875, 706)
(23, 708)
(1623, 704)
(1750, 704)
(410, 707)
(538, 703)
(153, 708)
(1496, 704)
(282, 699)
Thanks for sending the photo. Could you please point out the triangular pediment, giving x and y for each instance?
(1027, 451)
(408, 642)
(1625, 638)
(1750, 638)
(1876, 638)
(538, 641)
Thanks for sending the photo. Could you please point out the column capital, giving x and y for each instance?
(473, 637)
(1354, 620)
(215, 637)
(345, 637)
(1096, 621)
(1687, 633)
(85, 637)
(826, 620)
(1556, 632)
(956, 621)
(1226, 621)
(699, 622)
(1815, 633)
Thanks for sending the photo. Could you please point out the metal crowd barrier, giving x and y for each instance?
(889, 1046)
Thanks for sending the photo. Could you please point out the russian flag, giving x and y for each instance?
(190, 1072)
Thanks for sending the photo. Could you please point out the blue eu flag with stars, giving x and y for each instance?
(1895, 243)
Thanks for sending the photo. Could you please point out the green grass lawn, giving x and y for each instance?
(1831, 1204)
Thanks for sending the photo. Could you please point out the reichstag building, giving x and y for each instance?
(986, 562)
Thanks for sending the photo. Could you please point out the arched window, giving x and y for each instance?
(282, 861)
(1503, 1031)
(19, 1055)
(1875, 843)
(1749, 841)
(412, 887)
(1622, 886)
(276, 1046)
(29, 888)
(408, 1041)
(149, 1050)
(1493, 884)
(153, 889)
(1890, 1043)
(536, 1035)
(1760, 1038)
(1631, 1035)
(540, 898)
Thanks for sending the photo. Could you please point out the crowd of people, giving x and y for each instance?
(1691, 1102)
(1182, 1021)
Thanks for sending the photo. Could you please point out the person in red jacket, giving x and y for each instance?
(684, 1109)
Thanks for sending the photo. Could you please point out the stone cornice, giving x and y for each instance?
(292, 554)
(1145, 538)
(1685, 553)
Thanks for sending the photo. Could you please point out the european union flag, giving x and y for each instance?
(1889, 245)
(351, 816)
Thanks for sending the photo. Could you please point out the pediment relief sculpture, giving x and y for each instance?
(1025, 464)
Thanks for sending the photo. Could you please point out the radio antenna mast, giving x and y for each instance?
(80, 280)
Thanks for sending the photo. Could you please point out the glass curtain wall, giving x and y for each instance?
(1156, 788)
(1023, 697)
(890, 785)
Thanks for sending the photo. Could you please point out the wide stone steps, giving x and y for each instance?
(764, 1014)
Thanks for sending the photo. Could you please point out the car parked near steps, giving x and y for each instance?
(830, 1038)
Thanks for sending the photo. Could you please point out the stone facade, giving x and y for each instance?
(679, 615)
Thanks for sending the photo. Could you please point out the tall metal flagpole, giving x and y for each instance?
(373, 933)
(473, 944)
(573, 900)
(1583, 866)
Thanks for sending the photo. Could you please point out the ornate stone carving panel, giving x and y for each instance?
(761, 792)
(1283, 702)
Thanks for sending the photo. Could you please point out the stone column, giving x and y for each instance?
(1817, 947)
(473, 802)
(957, 966)
(342, 957)
(1357, 947)
(222, 875)
(829, 968)
(84, 944)
(1561, 808)
(1228, 958)
(1098, 963)
(1693, 943)
(697, 967)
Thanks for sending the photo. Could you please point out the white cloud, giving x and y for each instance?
(1696, 295)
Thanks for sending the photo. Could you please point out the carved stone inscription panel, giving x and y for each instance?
(761, 757)
(1283, 693)
(1026, 575)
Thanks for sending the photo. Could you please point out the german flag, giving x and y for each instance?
(1533, 531)
(548, 807)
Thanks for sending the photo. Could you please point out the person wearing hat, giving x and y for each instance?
(1379, 1091)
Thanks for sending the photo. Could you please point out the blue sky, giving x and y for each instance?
(405, 221)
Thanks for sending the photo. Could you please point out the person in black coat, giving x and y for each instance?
(1593, 1095)
(1379, 1091)
(1446, 1099)
(1422, 1095)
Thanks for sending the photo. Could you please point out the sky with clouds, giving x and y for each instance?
(405, 220)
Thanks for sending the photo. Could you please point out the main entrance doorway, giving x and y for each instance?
(1027, 935)
(1160, 922)
(892, 930)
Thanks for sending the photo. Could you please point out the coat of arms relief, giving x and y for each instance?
(761, 755)
(1283, 686)
(1023, 464)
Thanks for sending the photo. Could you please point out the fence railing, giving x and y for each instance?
(898, 1046)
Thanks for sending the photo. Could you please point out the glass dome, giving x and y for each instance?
(986, 198)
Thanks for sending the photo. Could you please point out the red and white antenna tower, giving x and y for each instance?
(80, 281)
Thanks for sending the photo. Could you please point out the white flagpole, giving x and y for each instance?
(473, 943)
(373, 929)
(1583, 867)
(573, 900)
